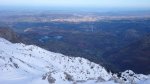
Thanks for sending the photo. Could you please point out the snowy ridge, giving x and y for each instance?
(28, 64)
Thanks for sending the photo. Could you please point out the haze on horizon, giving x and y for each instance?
(143, 4)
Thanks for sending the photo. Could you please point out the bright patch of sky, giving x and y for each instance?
(79, 3)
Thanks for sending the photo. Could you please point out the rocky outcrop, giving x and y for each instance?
(9, 34)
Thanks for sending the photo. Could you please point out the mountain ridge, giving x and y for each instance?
(29, 64)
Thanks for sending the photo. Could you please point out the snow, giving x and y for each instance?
(29, 64)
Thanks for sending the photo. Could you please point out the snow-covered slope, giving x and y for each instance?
(28, 64)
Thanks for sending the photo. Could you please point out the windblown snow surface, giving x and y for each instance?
(29, 64)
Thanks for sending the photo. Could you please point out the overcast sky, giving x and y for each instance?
(79, 3)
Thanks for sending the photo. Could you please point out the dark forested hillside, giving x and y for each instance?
(135, 56)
